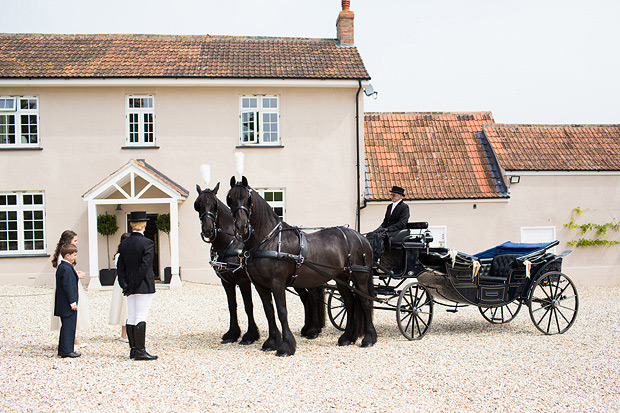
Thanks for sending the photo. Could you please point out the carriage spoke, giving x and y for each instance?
(551, 296)
(414, 311)
(562, 314)
(557, 321)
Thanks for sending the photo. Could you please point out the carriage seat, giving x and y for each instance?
(404, 239)
(499, 270)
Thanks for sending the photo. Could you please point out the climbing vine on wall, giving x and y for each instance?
(599, 231)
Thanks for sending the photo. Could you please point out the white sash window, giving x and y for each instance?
(276, 200)
(140, 120)
(259, 120)
(22, 223)
(19, 122)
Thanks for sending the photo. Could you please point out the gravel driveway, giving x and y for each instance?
(462, 364)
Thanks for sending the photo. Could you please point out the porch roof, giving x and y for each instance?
(123, 174)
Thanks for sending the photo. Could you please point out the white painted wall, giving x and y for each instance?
(82, 132)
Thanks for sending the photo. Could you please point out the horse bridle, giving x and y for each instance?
(213, 218)
(248, 211)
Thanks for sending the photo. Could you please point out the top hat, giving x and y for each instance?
(137, 216)
(398, 190)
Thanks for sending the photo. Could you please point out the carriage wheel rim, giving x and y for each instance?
(506, 313)
(414, 311)
(553, 306)
(337, 313)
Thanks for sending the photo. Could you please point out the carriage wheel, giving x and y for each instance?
(336, 310)
(502, 314)
(553, 303)
(414, 311)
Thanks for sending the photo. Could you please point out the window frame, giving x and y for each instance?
(17, 112)
(275, 204)
(259, 129)
(140, 112)
(525, 232)
(20, 208)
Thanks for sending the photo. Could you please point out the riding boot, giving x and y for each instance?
(140, 338)
(132, 341)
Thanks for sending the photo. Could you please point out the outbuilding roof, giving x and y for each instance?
(149, 56)
(433, 155)
(556, 147)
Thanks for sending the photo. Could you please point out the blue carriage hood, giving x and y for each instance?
(514, 248)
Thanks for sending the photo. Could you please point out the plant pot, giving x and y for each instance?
(168, 274)
(107, 277)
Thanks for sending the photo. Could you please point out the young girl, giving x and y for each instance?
(118, 305)
(83, 313)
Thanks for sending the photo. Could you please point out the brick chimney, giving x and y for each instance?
(344, 24)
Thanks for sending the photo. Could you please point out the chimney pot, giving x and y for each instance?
(344, 24)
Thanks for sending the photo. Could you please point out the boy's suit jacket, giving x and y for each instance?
(135, 265)
(66, 289)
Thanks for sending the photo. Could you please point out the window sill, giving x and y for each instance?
(25, 255)
(34, 148)
(139, 147)
(259, 146)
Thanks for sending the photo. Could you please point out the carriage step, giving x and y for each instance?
(452, 310)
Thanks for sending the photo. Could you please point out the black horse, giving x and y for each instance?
(217, 228)
(279, 255)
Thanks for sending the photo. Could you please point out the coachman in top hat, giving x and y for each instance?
(396, 218)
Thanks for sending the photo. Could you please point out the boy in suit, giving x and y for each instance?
(65, 302)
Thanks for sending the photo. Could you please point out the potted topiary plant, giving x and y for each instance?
(163, 224)
(106, 225)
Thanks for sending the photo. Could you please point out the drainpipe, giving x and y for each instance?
(357, 145)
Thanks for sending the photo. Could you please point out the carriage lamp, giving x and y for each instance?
(515, 179)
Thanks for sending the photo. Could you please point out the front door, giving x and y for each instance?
(151, 233)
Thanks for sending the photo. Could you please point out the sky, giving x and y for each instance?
(526, 61)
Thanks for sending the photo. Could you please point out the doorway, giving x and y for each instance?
(151, 233)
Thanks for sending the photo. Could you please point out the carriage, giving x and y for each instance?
(412, 278)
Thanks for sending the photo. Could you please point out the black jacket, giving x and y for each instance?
(135, 265)
(397, 220)
(66, 289)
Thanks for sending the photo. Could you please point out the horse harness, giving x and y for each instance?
(300, 258)
(222, 254)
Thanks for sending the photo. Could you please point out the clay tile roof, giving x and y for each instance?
(556, 147)
(431, 155)
(126, 55)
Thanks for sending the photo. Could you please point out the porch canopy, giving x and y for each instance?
(135, 183)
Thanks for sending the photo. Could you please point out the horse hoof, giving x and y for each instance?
(343, 343)
(228, 340)
(367, 344)
(312, 334)
(248, 339)
(268, 347)
(283, 354)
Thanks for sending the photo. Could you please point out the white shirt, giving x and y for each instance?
(394, 205)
